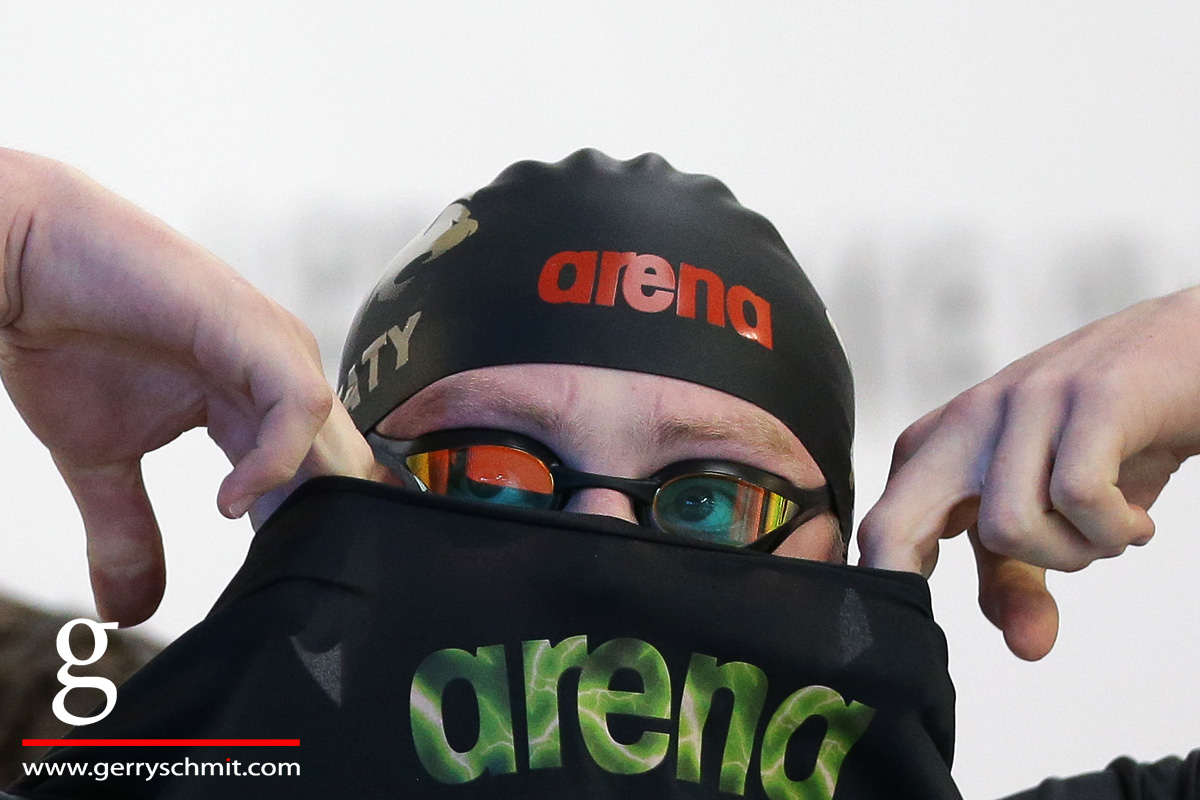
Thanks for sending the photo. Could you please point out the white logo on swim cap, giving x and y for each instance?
(450, 229)
(836, 332)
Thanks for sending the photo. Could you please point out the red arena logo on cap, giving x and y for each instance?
(648, 283)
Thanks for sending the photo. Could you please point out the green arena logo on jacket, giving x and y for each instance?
(494, 750)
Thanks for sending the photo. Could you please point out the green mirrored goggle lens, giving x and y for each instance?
(720, 508)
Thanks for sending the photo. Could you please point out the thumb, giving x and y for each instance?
(124, 546)
(1014, 597)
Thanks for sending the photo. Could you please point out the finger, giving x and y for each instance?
(284, 438)
(268, 397)
(902, 530)
(931, 496)
(124, 546)
(1144, 475)
(339, 449)
(1084, 487)
(917, 509)
(1014, 597)
(913, 438)
(298, 403)
(1015, 514)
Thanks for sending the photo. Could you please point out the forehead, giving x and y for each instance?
(600, 412)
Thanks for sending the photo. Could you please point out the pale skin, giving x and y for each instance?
(117, 334)
(150, 335)
(1052, 462)
(620, 423)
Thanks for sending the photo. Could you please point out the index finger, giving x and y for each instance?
(299, 404)
(934, 494)
(268, 399)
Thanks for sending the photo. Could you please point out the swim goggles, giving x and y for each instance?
(710, 500)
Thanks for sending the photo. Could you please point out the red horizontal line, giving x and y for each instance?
(160, 742)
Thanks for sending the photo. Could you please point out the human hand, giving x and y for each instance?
(116, 335)
(1050, 464)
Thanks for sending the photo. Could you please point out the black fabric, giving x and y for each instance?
(482, 288)
(353, 591)
(1171, 778)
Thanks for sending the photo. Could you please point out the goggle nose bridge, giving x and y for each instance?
(568, 480)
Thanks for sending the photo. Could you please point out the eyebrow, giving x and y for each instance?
(483, 394)
(480, 395)
(759, 433)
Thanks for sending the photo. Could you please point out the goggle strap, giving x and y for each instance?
(769, 542)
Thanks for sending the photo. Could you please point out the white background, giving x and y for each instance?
(963, 181)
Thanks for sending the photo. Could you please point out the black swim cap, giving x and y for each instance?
(622, 264)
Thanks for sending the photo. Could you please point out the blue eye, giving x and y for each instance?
(700, 506)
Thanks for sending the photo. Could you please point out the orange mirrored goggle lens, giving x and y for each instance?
(486, 472)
